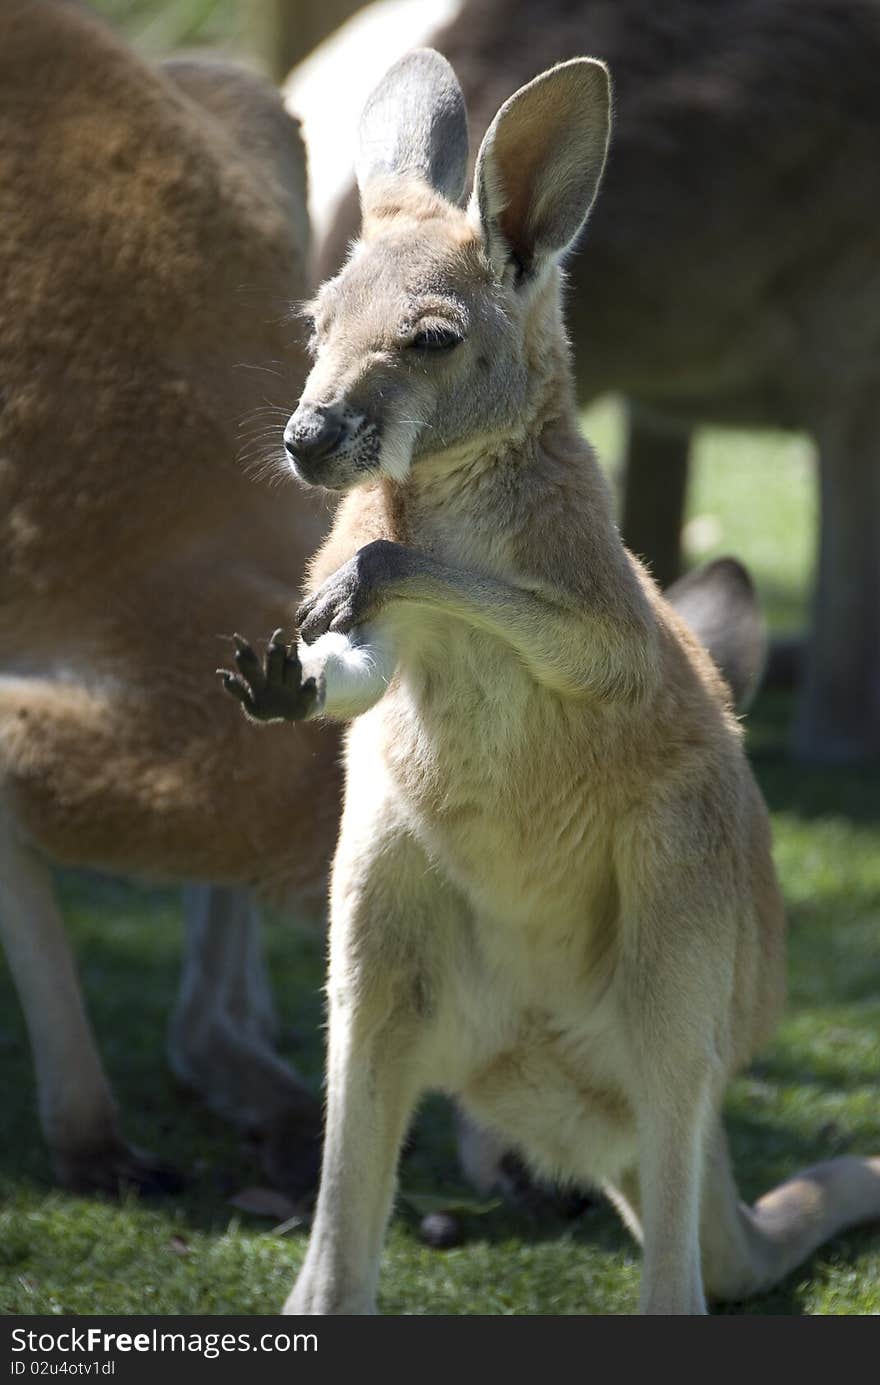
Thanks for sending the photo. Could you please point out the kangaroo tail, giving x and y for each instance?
(748, 1249)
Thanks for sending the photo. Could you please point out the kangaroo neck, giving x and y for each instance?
(477, 493)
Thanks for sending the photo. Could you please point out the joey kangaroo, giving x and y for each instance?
(152, 234)
(553, 894)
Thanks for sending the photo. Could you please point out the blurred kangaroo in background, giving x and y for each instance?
(733, 273)
(553, 894)
(153, 231)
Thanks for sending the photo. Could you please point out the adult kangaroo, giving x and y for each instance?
(153, 232)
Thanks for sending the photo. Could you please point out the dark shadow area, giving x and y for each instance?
(128, 941)
(805, 790)
(769, 1150)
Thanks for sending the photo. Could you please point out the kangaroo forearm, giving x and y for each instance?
(572, 652)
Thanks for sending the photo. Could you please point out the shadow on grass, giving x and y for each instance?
(804, 790)
(770, 1151)
(128, 941)
(766, 1150)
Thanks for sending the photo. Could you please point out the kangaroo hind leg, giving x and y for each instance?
(389, 918)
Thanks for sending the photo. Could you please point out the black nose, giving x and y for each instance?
(313, 432)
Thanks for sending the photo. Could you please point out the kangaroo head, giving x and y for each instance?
(431, 338)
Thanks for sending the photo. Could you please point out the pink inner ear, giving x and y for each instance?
(522, 145)
(514, 218)
(544, 146)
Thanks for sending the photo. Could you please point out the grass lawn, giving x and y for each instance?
(814, 1093)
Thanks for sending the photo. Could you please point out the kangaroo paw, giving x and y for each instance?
(271, 689)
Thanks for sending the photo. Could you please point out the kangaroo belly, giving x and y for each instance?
(548, 1073)
(566, 1126)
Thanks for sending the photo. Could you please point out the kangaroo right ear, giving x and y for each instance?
(415, 123)
(720, 604)
(539, 166)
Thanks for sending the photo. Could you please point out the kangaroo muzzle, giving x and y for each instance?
(313, 434)
(331, 445)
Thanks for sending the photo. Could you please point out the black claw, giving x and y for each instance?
(248, 663)
(292, 670)
(276, 657)
(237, 687)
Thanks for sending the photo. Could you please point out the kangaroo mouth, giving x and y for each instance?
(359, 456)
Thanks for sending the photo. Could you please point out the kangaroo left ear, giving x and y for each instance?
(539, 166)
(415, 125)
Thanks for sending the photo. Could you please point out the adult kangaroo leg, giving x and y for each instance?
(747, 1250)
(654, 492)
(221, 1036)
(839, 715)
(77, 1110)
(388, 916)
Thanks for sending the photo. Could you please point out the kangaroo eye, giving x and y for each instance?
(435, 339)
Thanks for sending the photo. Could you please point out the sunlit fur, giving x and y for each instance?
(152, 235)
(553, 894)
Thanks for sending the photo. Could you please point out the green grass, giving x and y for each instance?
(814, 1093)
(159, 27)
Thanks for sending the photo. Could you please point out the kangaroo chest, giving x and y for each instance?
(500, 776)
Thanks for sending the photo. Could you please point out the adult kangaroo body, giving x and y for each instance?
(153, 232)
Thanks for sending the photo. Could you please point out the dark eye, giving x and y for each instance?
(435, 339)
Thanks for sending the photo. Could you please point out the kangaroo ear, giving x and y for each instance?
(720, 604)
(540, 163)
(415, 123)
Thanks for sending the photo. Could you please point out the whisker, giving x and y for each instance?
(251, 365)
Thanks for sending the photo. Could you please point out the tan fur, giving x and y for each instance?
(553, 894)
(730, 273)
(153, 234)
